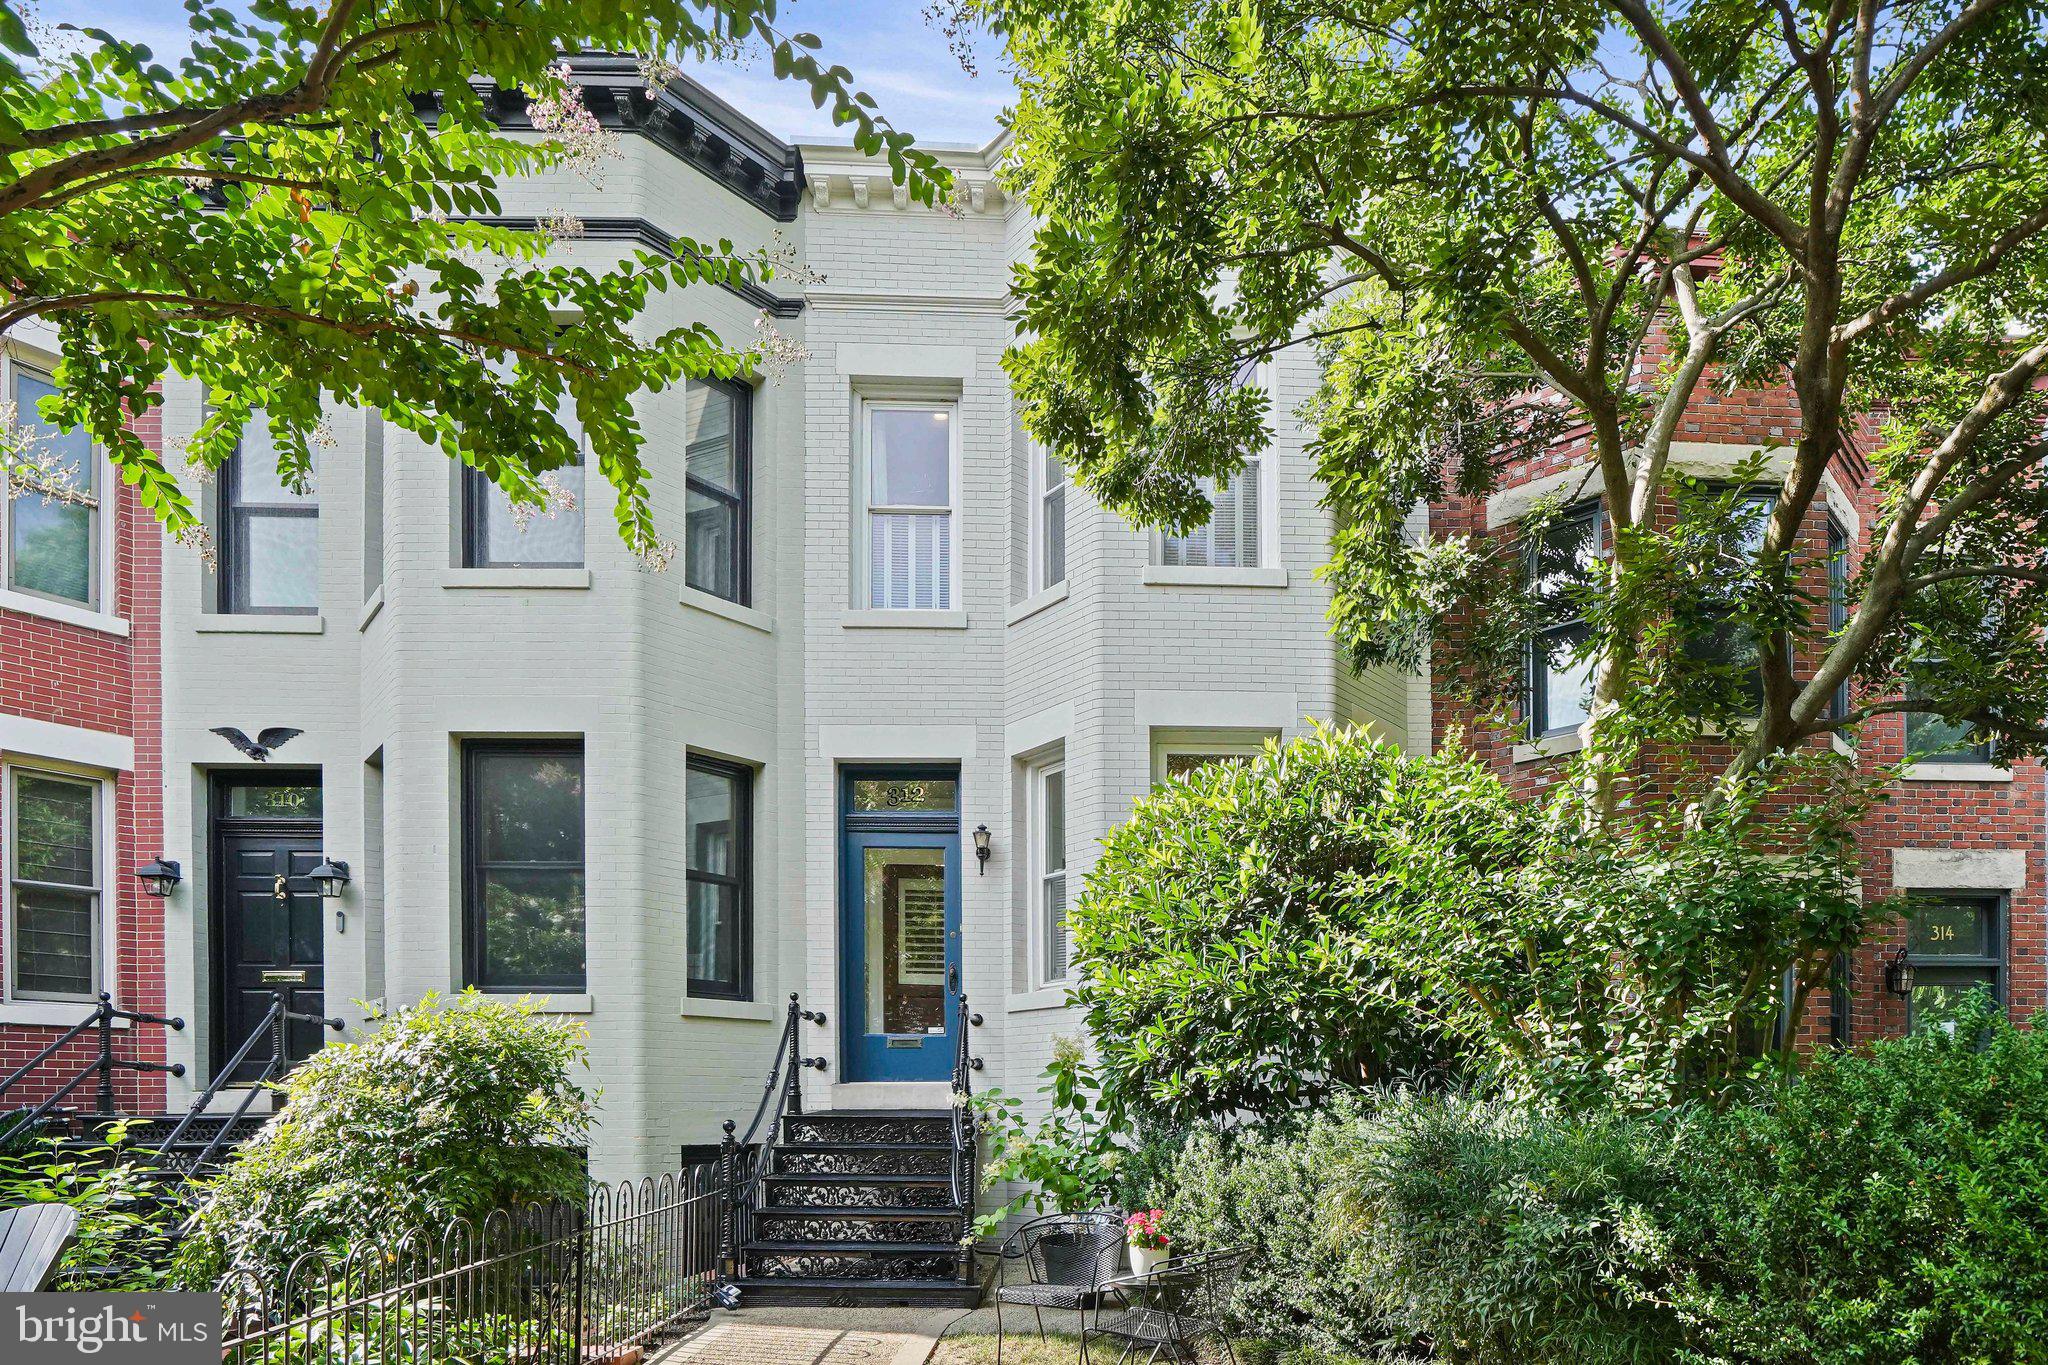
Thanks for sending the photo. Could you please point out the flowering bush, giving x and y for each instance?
(1143, 1230)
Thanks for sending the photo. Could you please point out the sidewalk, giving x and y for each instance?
(813, 1336)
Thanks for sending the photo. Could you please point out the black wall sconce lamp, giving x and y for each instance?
(981, 850)
(159, 876)
(1898, 975)
(331, 876)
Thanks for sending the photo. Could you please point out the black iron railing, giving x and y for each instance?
(104, 1064)
(966, 1163)
(553, 1284)
(744, 1160)
(272, 1026)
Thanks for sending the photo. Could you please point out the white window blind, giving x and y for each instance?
(910, 507)
(1231, 539)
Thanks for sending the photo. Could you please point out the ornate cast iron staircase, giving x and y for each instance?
(851, 1206)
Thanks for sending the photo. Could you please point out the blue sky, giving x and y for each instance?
(894, 55)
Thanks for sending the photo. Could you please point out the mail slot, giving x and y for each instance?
(296, 977)
(906, 1042)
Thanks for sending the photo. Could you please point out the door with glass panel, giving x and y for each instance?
(267, 928)
(899, 929)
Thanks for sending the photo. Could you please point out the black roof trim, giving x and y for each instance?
(684, 119)
(648, 235)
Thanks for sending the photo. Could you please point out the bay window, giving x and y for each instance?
(719, 834)
(523, 885)
(717, 470)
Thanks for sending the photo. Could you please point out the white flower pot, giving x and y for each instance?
(1144, 1258)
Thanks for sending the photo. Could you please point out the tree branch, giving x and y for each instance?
(1941, 281)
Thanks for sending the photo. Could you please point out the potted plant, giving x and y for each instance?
(1149, 1243)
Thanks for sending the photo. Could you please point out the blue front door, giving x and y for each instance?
(899, 923)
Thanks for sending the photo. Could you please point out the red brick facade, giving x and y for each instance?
(2006, 815)
(89, 679)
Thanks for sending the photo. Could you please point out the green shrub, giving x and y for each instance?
(1219, 939)
(448, 1109)
(126, 1229)
(1505, 1236)
(1305, 1283)
(1891, 1207)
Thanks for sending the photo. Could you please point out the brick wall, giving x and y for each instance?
(91, 679)
(2001, 816)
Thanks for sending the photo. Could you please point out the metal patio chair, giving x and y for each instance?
(1172, 1309)
(1068, 1258)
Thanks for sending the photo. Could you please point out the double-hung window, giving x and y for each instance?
(270, 546)
(1049, 519)
(1956, 944)
(1238, 524)
(53, 532)
(1560, 681)
(523, 906)
(911, 485)
(1730, 644)
(1048, 827)
(717, 468)
(499, 534)
(54, 871)
(719, 828)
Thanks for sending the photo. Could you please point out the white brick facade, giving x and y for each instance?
(406, 660)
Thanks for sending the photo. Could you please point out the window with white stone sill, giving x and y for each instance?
(1046, 827)
(1242, 531)
(56, 879)
(910, 494)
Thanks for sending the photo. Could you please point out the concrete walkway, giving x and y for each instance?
(813, 1336)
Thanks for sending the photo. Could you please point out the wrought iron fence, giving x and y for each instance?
(551, 1284)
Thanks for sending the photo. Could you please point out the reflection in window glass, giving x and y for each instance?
(716, 474)
(525, 903)
(1931, 739)
(50, 538)
(1954, 944)
(718, 832)
(272, 541)
(53, 887)
(1051, 848)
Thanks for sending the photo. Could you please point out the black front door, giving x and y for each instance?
(269, 936)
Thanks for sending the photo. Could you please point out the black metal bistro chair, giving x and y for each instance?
(1172, 1309)
(1067, 1258)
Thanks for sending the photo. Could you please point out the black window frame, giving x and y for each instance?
(1997, 960)
(476, 490)
(473, 867)
(1535, 654)
(1708, 651)
(1984, 753)
(235, 516)
(741, 880)
(741, 503)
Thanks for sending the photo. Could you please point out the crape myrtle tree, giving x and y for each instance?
(282, 215)
(1501, 225)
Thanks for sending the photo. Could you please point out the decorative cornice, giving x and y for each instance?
(654, 239)
(682, 118)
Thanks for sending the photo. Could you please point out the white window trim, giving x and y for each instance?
(1268, 572)
(98, 614)
(1166, 743)
(862, 537)
(1037, 873)
(106, 960)
(1041, 542)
